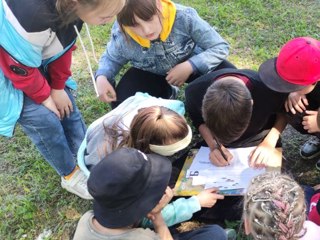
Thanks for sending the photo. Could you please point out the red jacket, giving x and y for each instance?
(31, 81)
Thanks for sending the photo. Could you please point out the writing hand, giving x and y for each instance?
(217, 159)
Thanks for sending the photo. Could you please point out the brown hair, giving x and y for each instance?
(143, 9)
(274, 207)
(156, 125)
(227, 109)
(68, 11)
(151, 125)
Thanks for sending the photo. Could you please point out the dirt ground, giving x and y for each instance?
(303, 171)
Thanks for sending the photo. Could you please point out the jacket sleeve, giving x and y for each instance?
(113, 59)
(60, 69)
(178, 211)
(215, 48)
(27, 79)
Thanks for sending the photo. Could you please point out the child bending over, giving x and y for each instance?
(135, 188)
(274, 208)
(166, 44)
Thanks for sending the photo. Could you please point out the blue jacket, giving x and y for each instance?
(33, 38)
(191, 38)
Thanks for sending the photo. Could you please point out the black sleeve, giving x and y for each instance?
(194, 94)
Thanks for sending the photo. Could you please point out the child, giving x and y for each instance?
(140, 122)
(274, 208)
(152, 129)
(234, 107)
(36, 47)
(314, 210)
(132, 190)
(297, 68)
(166, 44)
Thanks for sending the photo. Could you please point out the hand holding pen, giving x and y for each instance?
(220, 156)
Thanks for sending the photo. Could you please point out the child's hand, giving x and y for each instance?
(217, 159)
(310, 123)
(179, 74)
(105, 90)
(62, 101)
(166, 198)
(49, 103)
(261, 156)
(296, 101)
(207, 198)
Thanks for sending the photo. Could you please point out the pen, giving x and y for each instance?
(220, 149)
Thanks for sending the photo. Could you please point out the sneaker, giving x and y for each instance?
(174, 92)
(310, 149)
(77, 184)
(231, 234)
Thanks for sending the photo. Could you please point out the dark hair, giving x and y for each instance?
(143, 9)
(227, 109)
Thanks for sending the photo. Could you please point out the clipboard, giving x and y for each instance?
(184, 187)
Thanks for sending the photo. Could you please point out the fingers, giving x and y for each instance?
(108, 97)
(220, 160)
(55, 111)
(217, 159)
(305, 101)
(257, 159)
(309, 112)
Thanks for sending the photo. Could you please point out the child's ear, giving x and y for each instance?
(247, 228)
(159, 5)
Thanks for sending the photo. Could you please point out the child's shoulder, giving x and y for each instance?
(181, 9)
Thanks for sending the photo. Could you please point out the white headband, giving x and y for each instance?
(169, 150)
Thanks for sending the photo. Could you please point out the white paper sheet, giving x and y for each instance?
(237, 175)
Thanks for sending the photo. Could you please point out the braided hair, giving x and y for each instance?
(274, 207)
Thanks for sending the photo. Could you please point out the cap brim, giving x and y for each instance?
(158, 181)
(269, 76)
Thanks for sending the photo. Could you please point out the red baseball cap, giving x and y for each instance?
(297, 66)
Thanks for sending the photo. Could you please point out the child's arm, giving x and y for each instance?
(215, 48)
(262, 155)
(110, 64)
(183, 209)
(310, 121)
(29, 80)
(160, 227)
(58, 72)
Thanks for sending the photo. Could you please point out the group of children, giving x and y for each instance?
(123, 156)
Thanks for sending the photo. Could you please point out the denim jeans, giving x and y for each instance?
(58, 141)
(213, 232)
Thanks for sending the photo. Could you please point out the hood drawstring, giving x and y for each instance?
(86, 54)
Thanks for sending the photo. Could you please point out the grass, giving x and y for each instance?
(32, 202)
